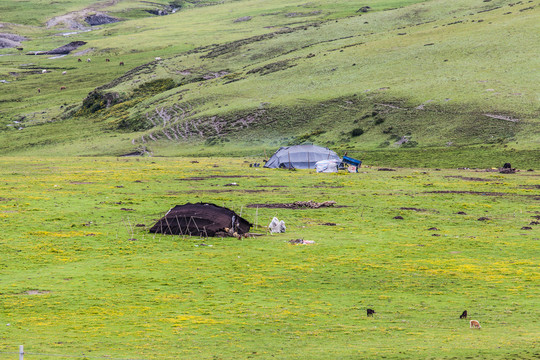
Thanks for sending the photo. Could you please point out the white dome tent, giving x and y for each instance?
(300, 157)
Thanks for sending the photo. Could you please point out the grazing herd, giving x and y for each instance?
(88, 60)
(106, 60)
(474, 324)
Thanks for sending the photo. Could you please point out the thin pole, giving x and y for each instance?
(288, 153)
(21, 352)
(256, 217)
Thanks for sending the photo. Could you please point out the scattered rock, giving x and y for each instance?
(483, 218)
(433, 228)
(243, 18)
(297, 205)
(302, 241)
(507, 171)
(398, 217)
(526, 228)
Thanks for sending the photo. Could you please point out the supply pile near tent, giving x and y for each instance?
(300, 157)
(201, 219)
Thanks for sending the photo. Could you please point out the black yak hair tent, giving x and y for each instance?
(200, 219)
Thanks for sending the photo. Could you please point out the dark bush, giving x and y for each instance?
(97, 100)
(357, 132)
(409, 144)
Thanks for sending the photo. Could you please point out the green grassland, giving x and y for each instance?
(82, 275)
(453, 77)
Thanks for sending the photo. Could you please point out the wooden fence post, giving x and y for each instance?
(21, 352)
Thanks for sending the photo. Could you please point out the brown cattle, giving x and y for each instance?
(79, 60)
(107, 60)
(38, 90)
(475, 324)
(121, 63)
(62, 88)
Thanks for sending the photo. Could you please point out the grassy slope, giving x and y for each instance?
(73, 283)
(462, 76)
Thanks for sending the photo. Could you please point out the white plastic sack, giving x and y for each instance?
(276, 226)
(326, 166)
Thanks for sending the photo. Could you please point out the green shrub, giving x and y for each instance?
(409, 144)
(97, 100)
(357, 132)
(378, 121)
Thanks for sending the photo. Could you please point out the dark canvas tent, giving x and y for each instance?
(300, 157)
(200, 219)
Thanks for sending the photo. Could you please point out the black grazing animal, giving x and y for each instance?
(370, 312)
(464, 315)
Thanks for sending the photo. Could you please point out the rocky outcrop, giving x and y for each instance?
(10, 40)
(65, 49)
(100, 19)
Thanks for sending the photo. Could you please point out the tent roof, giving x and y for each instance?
(200, 219)
(300, 157)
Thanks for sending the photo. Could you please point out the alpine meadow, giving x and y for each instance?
(113, 112)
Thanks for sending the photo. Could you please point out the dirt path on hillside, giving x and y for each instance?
(74, 20)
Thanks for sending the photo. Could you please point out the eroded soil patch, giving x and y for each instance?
(200, 178)
(225, 191)
(298, 205)
(467, 178)
(481, 193)
(418, 210)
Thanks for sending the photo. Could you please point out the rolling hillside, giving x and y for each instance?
(383, 80)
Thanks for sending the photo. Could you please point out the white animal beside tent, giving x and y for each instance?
(276, 226)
